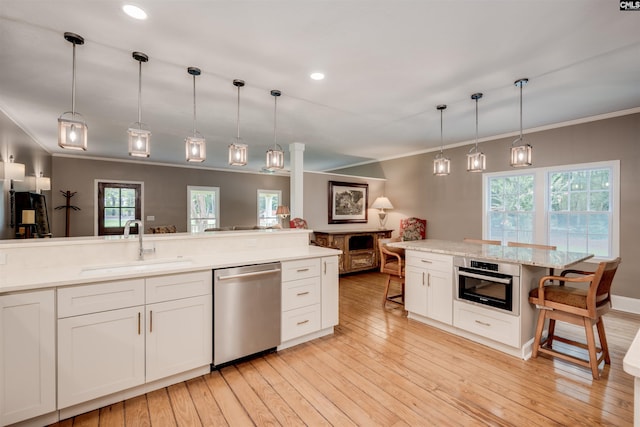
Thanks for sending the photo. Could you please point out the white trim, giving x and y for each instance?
(626, 304)
(115, 181)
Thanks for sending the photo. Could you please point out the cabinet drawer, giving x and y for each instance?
(301, 321)
(302, 269)
(487, 323)
(98, 297)
(430, 261)
(300, 293)
(177, 286)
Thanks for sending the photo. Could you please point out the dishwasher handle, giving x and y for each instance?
(250, 274)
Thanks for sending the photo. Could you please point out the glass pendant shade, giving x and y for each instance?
(196, 149)
(237, 154)
(275, 158)
(195, 145)
(72, 129)
(139, 141)
(238, 150)
(521, 154)
(476, 162)
(441, 165)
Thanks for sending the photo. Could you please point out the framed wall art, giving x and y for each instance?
(348, 202)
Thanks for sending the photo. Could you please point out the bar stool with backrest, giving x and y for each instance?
(392, 259)
(579, 305)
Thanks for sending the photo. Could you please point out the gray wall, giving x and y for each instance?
(453, 204)
(165, 192)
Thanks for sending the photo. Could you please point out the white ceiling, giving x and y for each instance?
(388, 64)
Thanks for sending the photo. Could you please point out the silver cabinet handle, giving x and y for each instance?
(423, 278)
(483, 323)
(303, 322)
(302, 293)
(426, 261)
(428, 279)
(302, 270)
(139, 323)
(150, 321)
(325, 267)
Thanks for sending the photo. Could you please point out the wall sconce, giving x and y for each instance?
(382, 203)
(139, 133)
(43, 183)
(520, 154)
(275, 155)
(238, 150)
(72, 131)
(195, 146)
(283, 212)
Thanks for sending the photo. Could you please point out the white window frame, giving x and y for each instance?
(215, 190)
(261, 192)
(541, 197)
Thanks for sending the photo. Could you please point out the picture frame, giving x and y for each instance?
(348, 202)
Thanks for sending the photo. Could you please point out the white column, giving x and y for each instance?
(296, 180)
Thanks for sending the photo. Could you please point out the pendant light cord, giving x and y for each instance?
(139, 94)
(275, 121)
(73, 82)
(194, 105)
(476, 125)
(521, 84)
(441, 140)
(238, 116)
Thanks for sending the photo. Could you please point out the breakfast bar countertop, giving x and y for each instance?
(517, 255)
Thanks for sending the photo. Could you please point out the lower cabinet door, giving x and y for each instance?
(27, 356)
(179, 336)
(99, 354)
(440, 297)
(415, 290)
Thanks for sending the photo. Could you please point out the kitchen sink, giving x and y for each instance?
(137, 267)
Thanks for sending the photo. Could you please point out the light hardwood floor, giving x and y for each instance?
(379, 368)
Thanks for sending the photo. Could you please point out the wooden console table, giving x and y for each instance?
(359, 247)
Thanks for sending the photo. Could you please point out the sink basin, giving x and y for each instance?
(137, 267)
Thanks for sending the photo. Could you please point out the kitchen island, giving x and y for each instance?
(86, 323)
(478, 291)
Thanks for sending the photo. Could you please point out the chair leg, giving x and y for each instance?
(538, 337)
(603, 341)
(591, 345)
(552, 332)
(386, 290)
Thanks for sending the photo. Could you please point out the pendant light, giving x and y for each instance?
(195, 145)
(521, 153)
(441, 164)
(72, 129)
(275, 155)
(139, 133)
(476, 161)
(238, 150)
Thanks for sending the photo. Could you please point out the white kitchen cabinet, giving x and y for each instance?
(429, 286)
(179, 336)
(125, 342)
(27, 356)
(301, 298)
(330, 291)
(99, 354)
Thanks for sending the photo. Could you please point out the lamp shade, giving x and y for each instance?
(282, 211)
(11, 171)
(28, 217)
(43, 183)
(382, 203)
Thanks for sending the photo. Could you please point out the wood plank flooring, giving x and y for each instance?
(379, 368)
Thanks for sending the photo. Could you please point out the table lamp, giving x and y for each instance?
(382, 203)
(28, 221)
(282, 212)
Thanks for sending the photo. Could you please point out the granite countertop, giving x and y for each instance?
(516, 255)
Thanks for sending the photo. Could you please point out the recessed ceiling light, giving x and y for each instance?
(317, 76)
(134, 11)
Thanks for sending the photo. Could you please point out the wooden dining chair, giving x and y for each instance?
(583, 302)
(482, 242)
(392, 264)
(532, 245)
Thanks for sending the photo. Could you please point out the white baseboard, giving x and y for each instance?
(629, 305)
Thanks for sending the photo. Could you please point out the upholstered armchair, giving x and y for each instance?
(413, 229)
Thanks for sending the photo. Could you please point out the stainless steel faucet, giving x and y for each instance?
(141, 250)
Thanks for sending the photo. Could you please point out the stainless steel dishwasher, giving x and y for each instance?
(246, 311)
